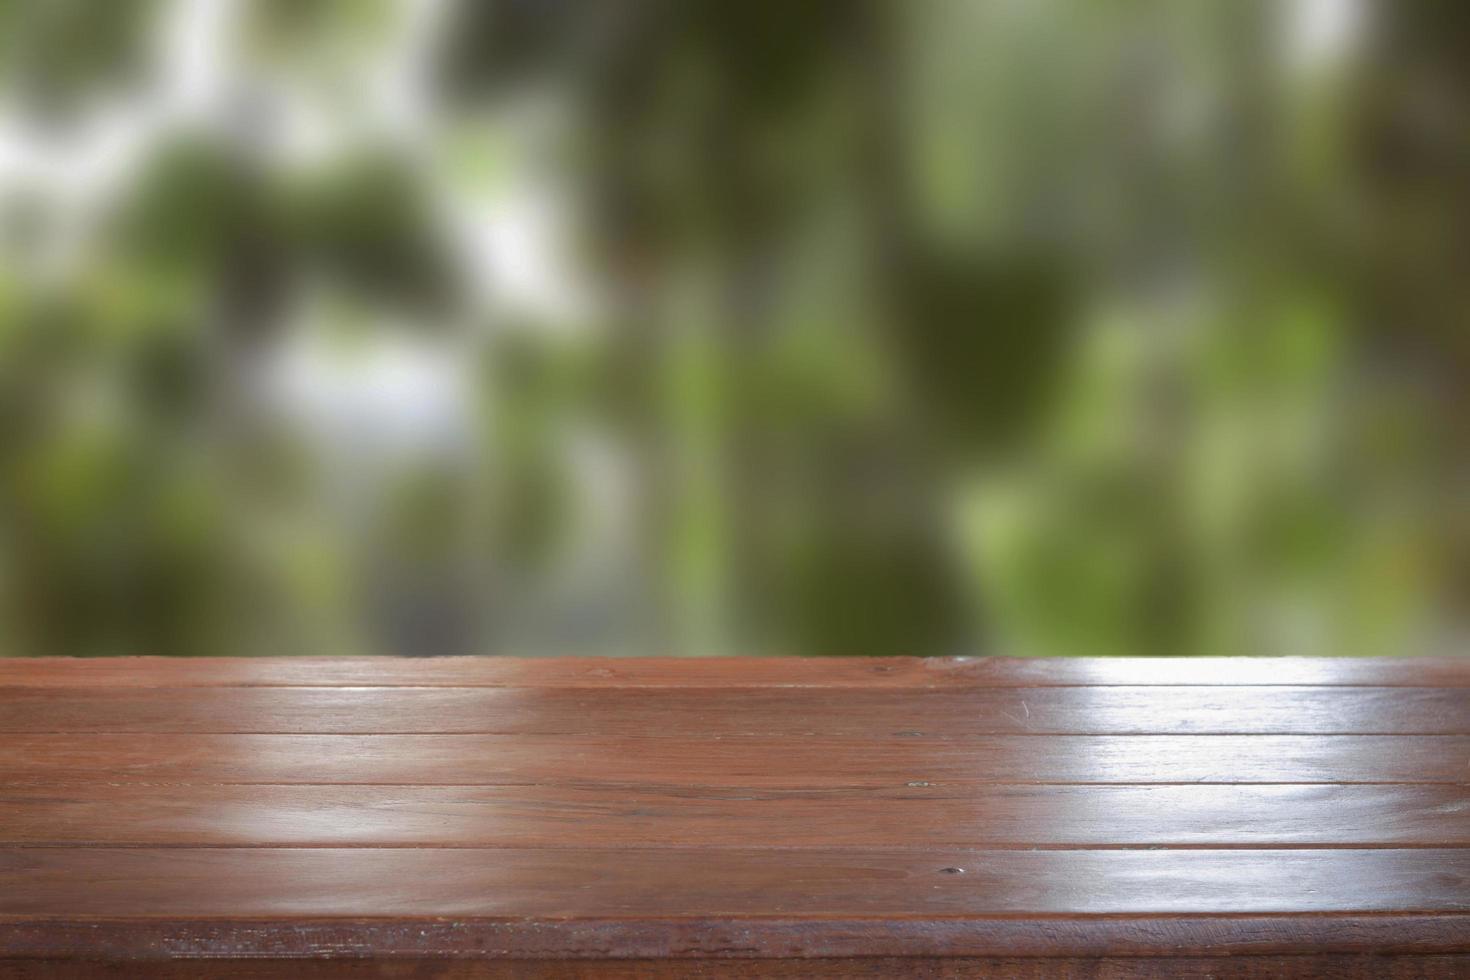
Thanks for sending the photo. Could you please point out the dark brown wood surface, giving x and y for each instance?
(734, 818)
(988, 816)
(739, 762)
(698, 712)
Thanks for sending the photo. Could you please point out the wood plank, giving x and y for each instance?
(771, 762)
(542, 816)
(265, 883)
(423, 816)
(1340, 966)
(844, 673)
(704, 938)
(718, 711)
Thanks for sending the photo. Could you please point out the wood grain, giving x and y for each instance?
(560, 883)
(699, 938)
(743, 762)
(915, 818)
(714, 711)
(1350, 966)
(477, 817)
(639, 672)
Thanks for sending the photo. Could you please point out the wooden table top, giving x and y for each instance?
(500, 817)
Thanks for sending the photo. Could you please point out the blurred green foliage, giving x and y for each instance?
(933, 327)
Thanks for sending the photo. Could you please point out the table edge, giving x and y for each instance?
(760, 937)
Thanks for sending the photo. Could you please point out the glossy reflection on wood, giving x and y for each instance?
(500, 817)
(1207, 816)
(742, 883)
(721, 711)
(741, 762)
(825, 673)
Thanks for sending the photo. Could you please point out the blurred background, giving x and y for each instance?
(761, 326)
